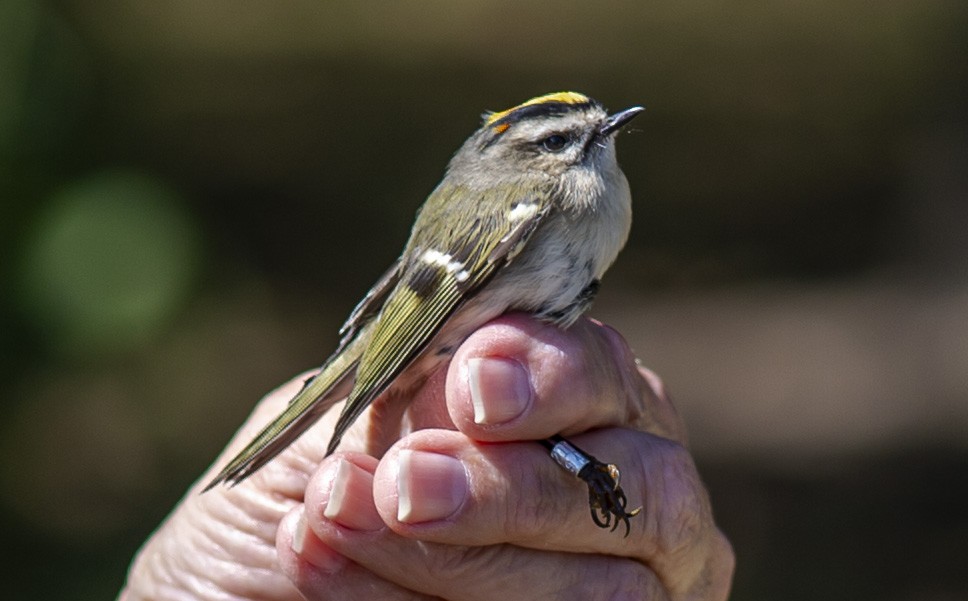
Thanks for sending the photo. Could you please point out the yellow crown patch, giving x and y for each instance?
(558, 97)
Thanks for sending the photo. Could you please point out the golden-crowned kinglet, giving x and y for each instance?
(532, 210)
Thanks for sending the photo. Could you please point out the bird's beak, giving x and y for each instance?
(616, 121)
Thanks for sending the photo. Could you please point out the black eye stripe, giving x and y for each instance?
(554, 143)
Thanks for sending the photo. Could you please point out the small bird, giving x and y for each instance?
(532, 210)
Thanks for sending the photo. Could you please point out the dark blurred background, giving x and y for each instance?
(194, 194)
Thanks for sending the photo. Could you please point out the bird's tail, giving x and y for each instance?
(333, 382)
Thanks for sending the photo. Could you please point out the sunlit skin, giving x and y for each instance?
(309, 527)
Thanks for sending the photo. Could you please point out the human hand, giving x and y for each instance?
(455, 515)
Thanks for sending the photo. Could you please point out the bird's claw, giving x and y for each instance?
(606, 499)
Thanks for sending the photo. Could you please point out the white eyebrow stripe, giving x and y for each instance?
(445, 262)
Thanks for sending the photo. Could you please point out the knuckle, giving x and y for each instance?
(536, 506)
(660, 414)
(630, 580)
(713, 577)
(723, 565)
(459, 562)
(626, 375)
(617, 344)
(654, 381)
(681, 514)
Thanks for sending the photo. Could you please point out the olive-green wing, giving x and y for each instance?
(440, 274)
(372, 303)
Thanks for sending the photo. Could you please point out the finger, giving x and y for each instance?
(513, 493)
(643, 387)
(208, 548)
(664, 413)
(337, 514)
(519, 378)
(319, 572)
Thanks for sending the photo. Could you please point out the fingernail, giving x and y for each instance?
(430, 486)
(299, 536)
(500, 389)
(313, 551)
(351, 498)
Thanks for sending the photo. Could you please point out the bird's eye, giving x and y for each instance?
(554, 143)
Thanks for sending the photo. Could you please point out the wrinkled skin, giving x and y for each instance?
(458, 509)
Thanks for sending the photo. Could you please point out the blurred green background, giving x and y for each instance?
(194, 194)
